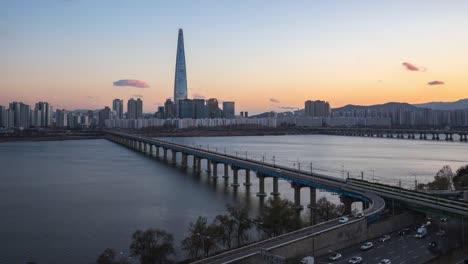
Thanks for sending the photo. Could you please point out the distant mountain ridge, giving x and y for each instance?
(456, 105)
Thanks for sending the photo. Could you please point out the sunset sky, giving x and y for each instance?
(263, 55)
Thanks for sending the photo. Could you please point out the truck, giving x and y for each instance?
(421, 232)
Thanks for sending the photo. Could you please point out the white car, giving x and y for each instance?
(343, 220)
(367, 245)
(335, 256)
(355, 260)
(359, 215)
(308, 260)
(385, 261)
(384, 238)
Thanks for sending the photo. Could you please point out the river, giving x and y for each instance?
(66, 201)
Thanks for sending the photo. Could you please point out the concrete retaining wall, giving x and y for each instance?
(392, 224)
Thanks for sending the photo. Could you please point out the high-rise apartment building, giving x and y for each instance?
(46, 113)
(169, 109)
(229, 110)
(317, 108)
(180, 81)
(117, 106)
(213, 108)
(186, 109)
(104, 114)
(201, 111)
(61, 118)
(139, 108)
(131, 109)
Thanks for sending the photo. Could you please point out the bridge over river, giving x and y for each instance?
(374, 196)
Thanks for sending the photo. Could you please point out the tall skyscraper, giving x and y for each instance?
(180, 82)
(117, 106)
(186, 108)
(213, 108)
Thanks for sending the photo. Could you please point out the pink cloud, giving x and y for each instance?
(436, 83)
(132, 83)
(410, 66)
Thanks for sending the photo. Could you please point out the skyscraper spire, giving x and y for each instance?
(180, 82)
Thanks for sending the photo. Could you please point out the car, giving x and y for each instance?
(335, 256)
(355, 260)
(405, 231)
(441, 233)
(443, 219)
(367, 245)
(428, 223)
(308, 260)
(278, 170)
(343, 220)
(432, 244)
(359, 215)
(384, 238)
(385, 261)
(433, 247)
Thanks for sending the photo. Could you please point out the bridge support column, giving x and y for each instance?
(165, 154)
(275, 192)
(208, 166)
(313, 205)
(140, 146)
(261, 185)
(199, 169)
(297, 195)
(174, 157)
(215, 170)
(226, 171)
(247, 179)
(145, 148)
(184, 160)
(151, 150)
(235, 176)
(347, 202)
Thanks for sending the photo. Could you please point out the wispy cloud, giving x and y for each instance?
(91, 97)
(137, 96)
(131, 83)
(288, 107)
(412, 67)
(273, 100)
(436, 83)
(198, 96)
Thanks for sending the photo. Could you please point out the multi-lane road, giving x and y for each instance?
(398, 249)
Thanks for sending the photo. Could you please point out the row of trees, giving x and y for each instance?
(446, 179)
(225, 231)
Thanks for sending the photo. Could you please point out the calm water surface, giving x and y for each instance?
(65, 201)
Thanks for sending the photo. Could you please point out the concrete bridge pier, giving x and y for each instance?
(226, 171)
(184, 160)
(194, 162)
(157, 152)
(347, 202)
(313, 205)
(174, 157)
(275, 192)
(235, 176)
(261, 185)
(247, 179)
(151, 150)
(208, 166)
(297, 195)
(215, 170)
(199, 165)
(448, 137)
(165, 154)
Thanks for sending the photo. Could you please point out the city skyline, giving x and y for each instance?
(403, 56)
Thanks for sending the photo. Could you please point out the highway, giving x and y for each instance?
(398, 249)
(252, 249)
